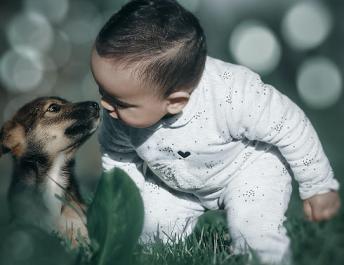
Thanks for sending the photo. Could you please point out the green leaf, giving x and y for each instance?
(115, 218)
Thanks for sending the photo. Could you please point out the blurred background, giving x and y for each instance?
(297, 46)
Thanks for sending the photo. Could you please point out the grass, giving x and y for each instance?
(312, 243)
(209, 244)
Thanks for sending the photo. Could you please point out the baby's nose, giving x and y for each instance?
(114, 115)
(109, 108)
(106, 105)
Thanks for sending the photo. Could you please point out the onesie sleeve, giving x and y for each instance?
(117, 151)
(258, 111)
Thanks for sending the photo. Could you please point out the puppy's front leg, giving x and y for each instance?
(72, 223)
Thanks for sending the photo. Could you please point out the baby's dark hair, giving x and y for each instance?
(161, 37)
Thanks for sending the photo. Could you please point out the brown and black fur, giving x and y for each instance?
(42, 138)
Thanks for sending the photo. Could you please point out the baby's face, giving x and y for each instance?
(124, 96)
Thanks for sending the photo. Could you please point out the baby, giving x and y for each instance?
(197, 133)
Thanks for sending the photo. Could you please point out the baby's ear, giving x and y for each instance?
(12, 139)
(177, 101)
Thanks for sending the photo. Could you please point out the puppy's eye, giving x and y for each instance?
(54, 108)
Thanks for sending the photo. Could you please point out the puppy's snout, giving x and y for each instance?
(90, 104)
(94, 105)
(84, 111)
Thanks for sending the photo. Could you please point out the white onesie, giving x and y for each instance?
(234, 146)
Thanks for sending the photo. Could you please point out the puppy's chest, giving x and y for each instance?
(185, 159)
(54, 186)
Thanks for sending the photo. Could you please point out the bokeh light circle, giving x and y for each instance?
(54, 10)
(319, 82)
(30, 30)
(21, 70)
(255, 46)
(307, 24)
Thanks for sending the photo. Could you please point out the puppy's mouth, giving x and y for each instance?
(80, 131)
(86, 118)
(82, 127)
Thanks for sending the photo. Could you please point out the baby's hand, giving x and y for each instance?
(321, 206)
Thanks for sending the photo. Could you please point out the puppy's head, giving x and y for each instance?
(49, 125)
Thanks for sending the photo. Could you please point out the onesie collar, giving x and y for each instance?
(189, 110)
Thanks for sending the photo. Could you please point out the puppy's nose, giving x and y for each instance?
(95, 105)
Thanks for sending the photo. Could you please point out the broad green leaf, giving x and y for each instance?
(115, 219)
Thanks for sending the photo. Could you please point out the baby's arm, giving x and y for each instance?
(258, 111)
(117, 151)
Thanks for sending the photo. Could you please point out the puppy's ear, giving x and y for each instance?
(12, 139)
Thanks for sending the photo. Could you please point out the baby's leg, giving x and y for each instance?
(256, 200)
(168, 214)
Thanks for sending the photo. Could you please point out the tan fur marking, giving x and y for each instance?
(72, 223)
(14, 139)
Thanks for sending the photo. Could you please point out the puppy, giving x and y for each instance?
(42, 138)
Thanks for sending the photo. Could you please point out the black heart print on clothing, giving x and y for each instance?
(184, 154)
